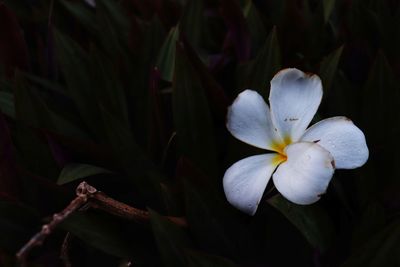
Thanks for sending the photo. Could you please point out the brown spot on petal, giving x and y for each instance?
(347, 119)
(333, 164)
(309, 74)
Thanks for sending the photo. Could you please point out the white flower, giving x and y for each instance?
(304, 159)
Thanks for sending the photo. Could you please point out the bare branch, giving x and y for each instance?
(47, 229)
(88, 197)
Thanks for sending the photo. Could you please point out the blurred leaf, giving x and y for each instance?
(328, 6)
(238, 33)
(215, 94)
(140, 169)
(171, 240)
(192, 116)
(191, 23)
(382, 249)
(13, 49)
(33, 153)
(7, 104)
(17, 225)
(114, 36)
(311, 221)
(110, 90)
(209, 222)
(329, 67)
(139, 65)
(198, 259)
(383, 91)
(372, 220)
(75, 171)
(9, 186)
(44, 83)
(121, 138)
(117, 17)
(101, 232)
(258, 73)
(76, 68)
(166, 57)
(256, 26)
(33, 110)
(84, 15)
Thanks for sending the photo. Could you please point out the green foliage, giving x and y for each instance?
(72, 172)
(312, 221)
(132, 96)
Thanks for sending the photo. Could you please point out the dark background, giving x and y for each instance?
(131, 96)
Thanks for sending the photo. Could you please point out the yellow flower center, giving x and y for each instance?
(279, 146)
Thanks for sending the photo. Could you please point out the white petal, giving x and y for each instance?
(306, 173)
(249, 120)
(294, 99)
(245, 181)
(342, 139)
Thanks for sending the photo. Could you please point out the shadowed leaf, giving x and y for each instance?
(329, 67)
(312, 221)
(166, 57)
(171, 240)
(257, 74)
(192, 116)
(328, 6)
(75, 171)
(198, 259)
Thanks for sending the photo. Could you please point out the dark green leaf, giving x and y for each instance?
(209, 220)
(83, 14)
(383, 91)
(257, 74)
(256, 25)
(17, 225)
(46, 84)
(192, 116)
(7, 104)
(329, 67)
(197, 259)
(166, 57)
(76, 68)
(171, 240)
(116, 15)
(110, 91)
(101, 232)
(192, 21)
(328, 6)
(372, 220)
(32, 109)
(311, 221)
(139, 168)
(74, 171)
(382, 249)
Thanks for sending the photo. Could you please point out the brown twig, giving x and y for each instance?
(47, 229)
(103, 202)
(89, 197)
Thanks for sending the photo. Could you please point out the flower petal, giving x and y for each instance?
(306, 173)
(294, 99)
(249, 120)
(245, 181)
(345, 141)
